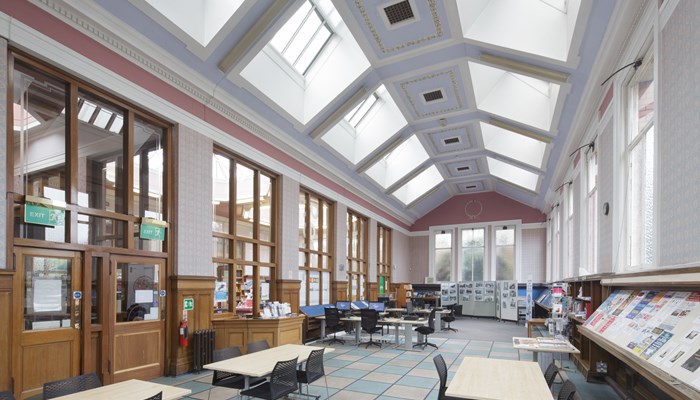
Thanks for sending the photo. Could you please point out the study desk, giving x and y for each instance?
(494, 379)
(133, 389)
(407, 329)
(438, 316)
(261, 363)
(544, 345)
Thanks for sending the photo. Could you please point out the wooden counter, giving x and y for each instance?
(241, 331)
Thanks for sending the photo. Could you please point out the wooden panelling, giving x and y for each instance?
(92, 364)
(277, 331)
(5, 331)
(340, 290)
(138, 354)
(45, 362)
(372, 291)
(288, 292)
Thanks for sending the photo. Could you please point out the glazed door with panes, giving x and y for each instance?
(48, 323)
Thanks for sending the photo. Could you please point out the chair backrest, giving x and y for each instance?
(458, 310)
(157, 396)
(314, 365)
(431, 319)
(6, 395)
(283, 379)
(391, 304)
(71, 385)
(551, 373)
(369, 318)
(567, 391)
(257, 346)
(442, 373)
(226, 353)
(332, 316)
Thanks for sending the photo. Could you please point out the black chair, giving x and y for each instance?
(313, 372)
(567, 391)
(390, 304)
(227, 379)
(157, 396)
(6, 395)
(333, 323)
(449, 318)
(71, 385)
(369, 319)
(551, 373)
(427, 330)
(458, 311)
(442, 373)
(257, 346)
(283, 381)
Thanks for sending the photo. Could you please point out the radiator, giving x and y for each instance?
(203, 351)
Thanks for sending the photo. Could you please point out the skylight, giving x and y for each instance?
(515, 96)
(382, 120)
(102, 118)
(398, 163)
(418, 186)
(512, 174)
(302, 38)
(513, 145)
(23, 119)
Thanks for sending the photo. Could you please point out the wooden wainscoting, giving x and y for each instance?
(339, 290)
(5, 330)
(201, 289)
(372, 291)
(288, 292)
(241, 331)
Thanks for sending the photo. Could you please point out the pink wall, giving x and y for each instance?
(493, 206)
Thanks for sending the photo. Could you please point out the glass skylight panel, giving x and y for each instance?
(419, 185)
(355, 116)
(86, 111)
(117, 124)
(512, 174)
(513, 145)
(399, 162)
(102, 119)
(302, 38)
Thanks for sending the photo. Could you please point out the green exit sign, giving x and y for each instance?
(188, 304)
(152, 232)
(35, 214)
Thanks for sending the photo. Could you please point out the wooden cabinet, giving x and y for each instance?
(405, 294)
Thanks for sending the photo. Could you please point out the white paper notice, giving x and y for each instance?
(47, 295)
(143, 296)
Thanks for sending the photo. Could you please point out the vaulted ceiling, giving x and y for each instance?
(407, 102)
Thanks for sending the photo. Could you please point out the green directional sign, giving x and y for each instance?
(35, 214)
(188, 304)
(152, 232)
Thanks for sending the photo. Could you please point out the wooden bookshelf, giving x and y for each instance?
(405, 294)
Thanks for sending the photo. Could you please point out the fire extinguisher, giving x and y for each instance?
(183, 333)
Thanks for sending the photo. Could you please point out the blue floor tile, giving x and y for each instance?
(391, 369)
(368, 387)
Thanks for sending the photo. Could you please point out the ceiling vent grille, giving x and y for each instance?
(433, 96)
(451, 140)
(470, 187)
(399, 12)
(462, 169)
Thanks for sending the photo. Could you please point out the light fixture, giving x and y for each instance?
(525, 69)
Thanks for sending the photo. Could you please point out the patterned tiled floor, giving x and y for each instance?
(354, 373)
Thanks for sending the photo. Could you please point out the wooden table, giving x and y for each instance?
(261, 363)
(494, 379)
(133, 389)
(544, 345)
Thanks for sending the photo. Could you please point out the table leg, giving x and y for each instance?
(396, 334)
(358, 329)
(323, 329)
(246, 382)
(408, 336)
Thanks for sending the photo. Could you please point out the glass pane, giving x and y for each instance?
(314, 288)
(100, 156)
(314, 260)
(147, 244)
(221, 248)
(95, 290)
(505, 237)
(221, 293)
(245, 213)
(265, 254)
(101, 231)
(505, 262)
(39, 232)
(47, 293)
(38, 113)
(302, 221)
(302, 290)
(467, 264)
(148, 169)
(137, 292)
(302, 259)
(313, 49)
(443, 240)
(313, 223)
(326, 289)
(220, 193)
(443, 265)
(325, 231)
(265, 281)
(645, 99)
(248, 253)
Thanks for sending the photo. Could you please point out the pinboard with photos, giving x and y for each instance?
(659, 327)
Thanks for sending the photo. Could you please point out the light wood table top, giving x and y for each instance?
(395, 321)
(395, 310)
(261, 363)
(133, 389)
(494, 379)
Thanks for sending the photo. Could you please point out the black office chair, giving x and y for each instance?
(333, 323)
(427, 330)
(551, 373)
(449, 318)
(283, 381)
(71, 385)
(157, 396)
(390, 304)
(567, 391)
(227, 379)
(458, 311)
(257, 346)
(313, 372)
(6, 395)
(369, 325)
(442, 373)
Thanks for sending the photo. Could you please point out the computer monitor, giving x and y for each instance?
(376, 305)
(342, 305)
(383, 299)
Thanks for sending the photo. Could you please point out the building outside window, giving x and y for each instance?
(505, 253)
(592, 214)
(473, 251)
(357, 239)
(443, 256)
(315, 248)
(244, 234)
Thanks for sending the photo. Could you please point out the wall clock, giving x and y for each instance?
(473, 209)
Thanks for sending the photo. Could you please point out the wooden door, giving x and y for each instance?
(48, 319)
(137, 345)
